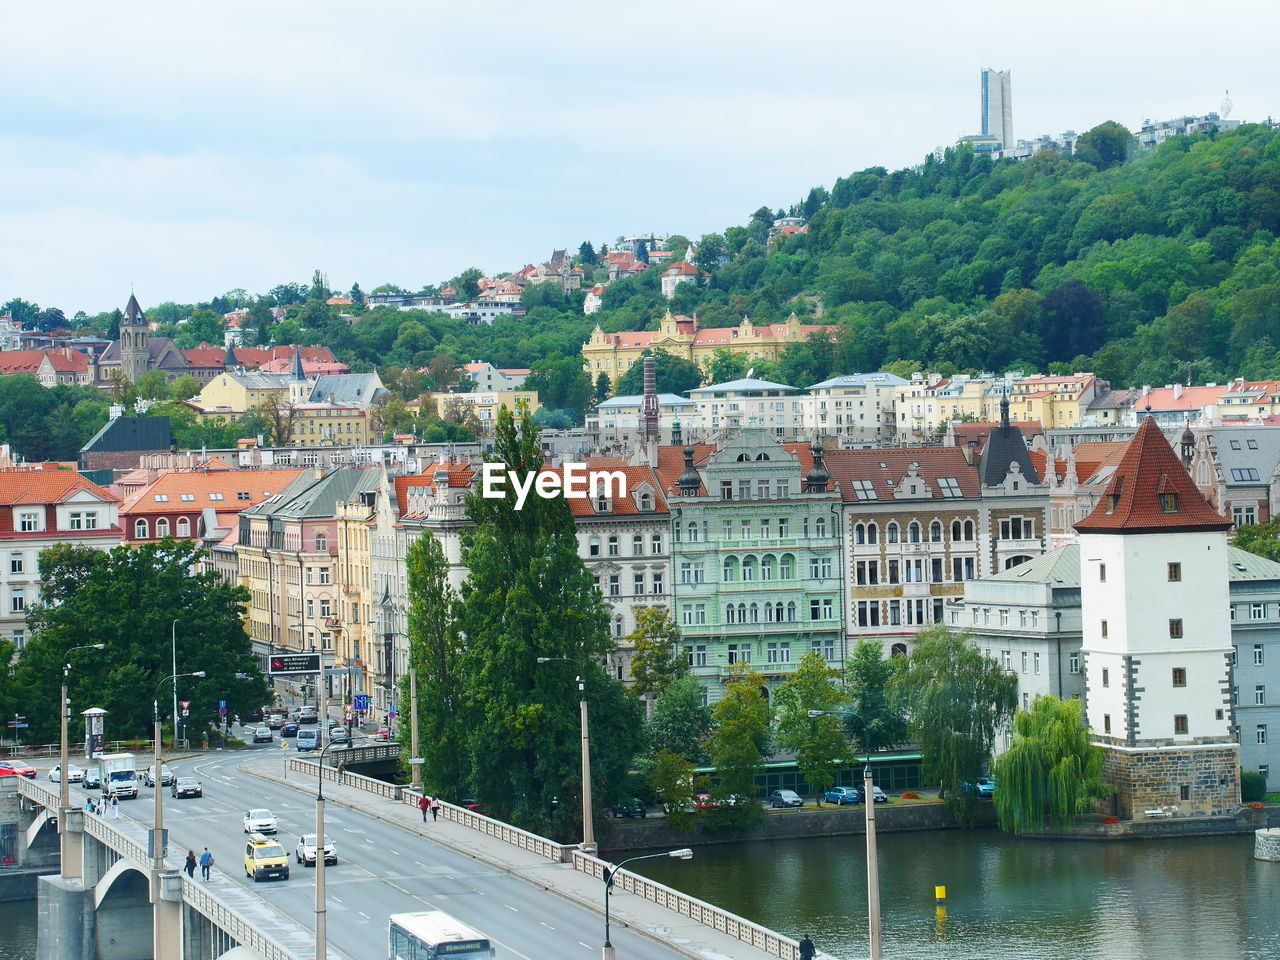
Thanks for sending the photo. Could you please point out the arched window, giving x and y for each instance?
(742, 458)
(768, 567)
(891, 533)
(762, 456)
(730, 570)
(184, 527)
(754, 611)
(820, 527)
(141, 530)
(322, 544)
(749, 568)
(613, 548)
(729, 616)
(593, 549)
(617, 626)
(162, 527)
(913, 532)
(968, 529)
(742, 613)
(955, 530)
(646, 503)
(693, 532)
(787, 567)
(898, 650)
(1015, 561)
(859, 533)
(935, 532)
(791, 611)
(637, 548)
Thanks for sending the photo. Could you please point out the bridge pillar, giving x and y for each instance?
(166, 924)
(197, 933)
(95, 861)
(65, 918)
(71, 843)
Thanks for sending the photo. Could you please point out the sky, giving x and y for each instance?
(183, 150)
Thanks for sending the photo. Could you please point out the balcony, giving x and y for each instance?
(350, 589)
(333, 623)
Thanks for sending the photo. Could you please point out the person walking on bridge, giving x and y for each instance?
(435, 808)
(424, 804)
(807, 951)
(206, 861)
(190, 865)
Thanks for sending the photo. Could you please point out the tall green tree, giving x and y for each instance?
(528, 595)
(673, 375)
(672, 778)
(435, 649)
(128, 599)
(868, 676)
(740, 744)
(1260, 538)
(1051, 772)
(819, 743)
(725, 366)
(956, 700)
(658, 659)
(681, 720)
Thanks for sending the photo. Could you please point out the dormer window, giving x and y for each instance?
(1169, 502)
(646, 501)
(602, 504)
(1113, 501)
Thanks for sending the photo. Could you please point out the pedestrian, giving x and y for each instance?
(435, 808)
(190, 865)
(807, 952)
(342, 770)
(424, 804)
(206, 861)
(88, 805)
(115, 806)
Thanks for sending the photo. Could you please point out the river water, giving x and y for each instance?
(18, 930)
(1007, 899)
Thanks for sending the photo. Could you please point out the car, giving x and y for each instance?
(259, 820)
(166, 776)
(703, 801)
(305, 851)
(91, 780)
(289, 730)
(878, 795)
(384, 734)
(275, 721)
(264, 859)
(262, 735)
(16, 768)
(308, 739)
(74, 774)
(186, 787)
(255, 716)
(842, 795)
(983, 787)
(785, 798)
(308, 713)
(339, 734)
(633, 807)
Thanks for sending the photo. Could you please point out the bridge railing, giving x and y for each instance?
(743, 930)
(38, 750)
(381, 788)
(237, 919)
(548, 849)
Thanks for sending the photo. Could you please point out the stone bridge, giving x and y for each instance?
(108, 903)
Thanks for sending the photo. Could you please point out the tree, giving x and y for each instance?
(203, 326)
(1051, 772)
(711, 251)
(287, 294)
(528, 595)
(280, 414)
(443, 371)
(672, 778)
(955, 700)
(467, 283)
(435, 649)
(587, 254)
(24, 313)
(1262, 539)
(1107, 145)
(121, 389)
(658, 659)
(725, 366)
(357, 295)
(740, 743)
(153, 386)
(673, 375)
(642, 251)
(868, 675)
(602, 387)
(819, 743)
(51, 319)
(319, 286)
(184, 388)
(127, 599)
(680, 721)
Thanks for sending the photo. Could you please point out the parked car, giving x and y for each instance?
(259, 821)
(633, 807)
(984, 787)
(16, 768)
(166, 776)
(305, 851)
(842, 795)
(785, 798)
(262, 735)
(879, 795)
(703, 802)
(290, 729)
(74, 774)
(275, 721)
(186, 787)
(383, 734)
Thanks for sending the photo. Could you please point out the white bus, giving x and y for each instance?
(433, 934)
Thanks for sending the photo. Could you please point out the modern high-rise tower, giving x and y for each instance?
(997, 107)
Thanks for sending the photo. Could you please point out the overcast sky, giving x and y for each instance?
(189, 150)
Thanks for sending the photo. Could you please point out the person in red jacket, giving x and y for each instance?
(424, 804)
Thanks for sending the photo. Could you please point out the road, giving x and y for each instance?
(382, 869)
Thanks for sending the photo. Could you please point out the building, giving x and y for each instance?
(755, 556)
(1064, 144)
(1236, 469)
(1156, 638)
(40, 508)
(192, 504)
(594, 299)
(681, 272)
(1255, 666)
(476, 312)
(124, 441)
(489, 379)
(1153, 133)
(853, 409)
(617, 423)
(484, 406)
(997, 107)
(138, 352)
(750, 402)
(235, 392)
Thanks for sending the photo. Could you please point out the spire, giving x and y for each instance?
(1188, 444)
(689, 480)
(1004, 410)
(229, 358)
(132, 310)
(817, 478)
(298, 373)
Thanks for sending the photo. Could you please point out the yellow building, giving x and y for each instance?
(329, 425)
(922, 405)
(614, 353)
(1053, 401)
(483, 405)
(352, 619)
(235, 392)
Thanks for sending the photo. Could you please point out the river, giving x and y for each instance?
(18, 930)
(1007, 899)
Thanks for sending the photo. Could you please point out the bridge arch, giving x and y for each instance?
(103, 887)
(123, 916)
(43, 818)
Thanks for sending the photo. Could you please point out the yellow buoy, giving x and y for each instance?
(940, 894)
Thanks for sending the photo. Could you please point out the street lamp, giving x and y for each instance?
(588, 827)
(415, 758)
(173, 650)
(684, 853)
(322, 932)
(157, 841)
(868, 801)
(64, 781)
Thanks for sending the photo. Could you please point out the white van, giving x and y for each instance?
(308, 739)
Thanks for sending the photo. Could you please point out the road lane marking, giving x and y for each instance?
(511, 908)
(581, 944)
(547, 925)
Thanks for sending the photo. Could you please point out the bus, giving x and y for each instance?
(434, 934)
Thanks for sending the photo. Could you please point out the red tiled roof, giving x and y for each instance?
(258, 484)
(460, 476)
(977, 432)
(671, 462)
(682, 268)
(1148, 471)
(622, 506)
(45, 486)
(882, 466)
(1190, 398)
(61, 363)
(251, 358)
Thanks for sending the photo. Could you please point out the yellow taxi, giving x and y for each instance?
(264, 858)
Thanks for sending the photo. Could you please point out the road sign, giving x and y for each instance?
(391, 714)
(222, 710)
(362, 702)
(185, 704)
(18, 721)
(294, 663)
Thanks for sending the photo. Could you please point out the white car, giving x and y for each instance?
(259, 821)
(74, 774)
(166, 776)
(305, 851)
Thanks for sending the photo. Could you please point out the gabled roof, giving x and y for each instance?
(1187, 398)
(20, 361)
(313, 498)
(1005, 446)
(671, 462)
(885, 469)
(1133, 499)
(1057, 568)
(358, 389)
(224, 491)
(76, 363)
(46, 486)
(620, 506)
(131, 434)
(1247, 454)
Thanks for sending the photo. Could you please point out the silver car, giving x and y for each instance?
(259, 821)
(305, 851)
(74, 774)
(166, 776)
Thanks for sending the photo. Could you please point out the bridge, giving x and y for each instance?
(108, 902)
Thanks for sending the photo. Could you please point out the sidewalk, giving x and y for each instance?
(625, 910)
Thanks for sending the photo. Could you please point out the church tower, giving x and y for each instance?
(135, 352)
(1157, 637)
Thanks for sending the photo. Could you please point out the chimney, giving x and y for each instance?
(649, 408)
(1177, 391)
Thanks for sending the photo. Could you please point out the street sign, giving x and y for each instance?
(294, 663)
(391, 714)
(18, 722)
(222, 710)
(362, 702)
(185, 704)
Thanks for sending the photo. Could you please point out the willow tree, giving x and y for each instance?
(1051, 772)
(955, 700)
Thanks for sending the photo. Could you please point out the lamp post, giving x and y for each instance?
(684, 853)
(173, 650)
(64, 782)
(322, 932)
(157, 833)
(588, 826)
(869, 802)
(415, 758)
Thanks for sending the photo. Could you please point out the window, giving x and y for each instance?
(746, 530)
(162, 527)
(820, 609)
(1106, 723)
(637, 580)
(935, 532)
(730, 570)
(1073, 663)
(140, 531)
(762, 489)
(1024, 661)
(28, 522)
(655, 543)
(657, 583)
(20, 641)
(15, 564)
(782, 489)
(784, 526)
(1179, 723)
(1179, 676)
(1017, 528)
(324, 574)
(615, 587)
(1104, 628)
(1243, 515)
(1036, 662)
(1261, 735)
(778, 653)
(744, 489)
(697, 655)
(749, 568)
(693, 532)
(187, 497)
(1244, 473)
(1257, 611)
(1184, 791)
(739, 653)
(215, 496)
(1006, 660)
(1175, 629)
(766, 568)
(1004, 620)
(1257, 654)
(162, 498)
(613, 546)
(786, 567)
(17, 601)
(1260, 695)
(593, 550)
(891, 533)
(1175, 572)
(1169, 502)
(1102, 573)
(1106, 677)
(637, 546)
(326, 609)
(868, 613)
(184, 527)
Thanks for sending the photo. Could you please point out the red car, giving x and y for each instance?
(384, 733)
(16, 768)
(703, 801)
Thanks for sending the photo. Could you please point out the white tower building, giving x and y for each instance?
(1157, 637)
(997, 106)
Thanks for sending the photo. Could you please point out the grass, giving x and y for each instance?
(1272, 798)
